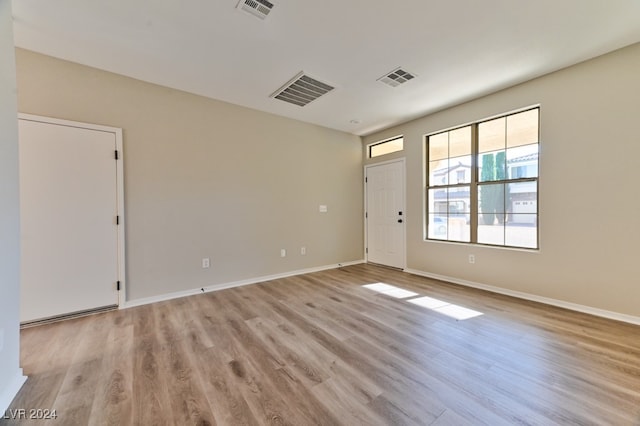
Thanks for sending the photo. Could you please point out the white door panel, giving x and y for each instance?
(385, 214)
(69, 236)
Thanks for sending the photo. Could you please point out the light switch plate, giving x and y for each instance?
(322, 208)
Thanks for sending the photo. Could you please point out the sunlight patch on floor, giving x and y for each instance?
(390, 290)
(449, 309)
(445, 308)
(428, 302)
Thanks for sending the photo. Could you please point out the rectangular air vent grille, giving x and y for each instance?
(396, 77)
(259, 8)
(301, 90)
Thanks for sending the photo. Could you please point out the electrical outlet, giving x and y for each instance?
(472, 258)
(206, 262)
(303, 250)
(283, 253)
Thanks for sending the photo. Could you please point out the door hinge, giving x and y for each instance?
(366, 215)
(117, 219)
(366, 179)
(116, 154)
(118, 285)
(366, 250)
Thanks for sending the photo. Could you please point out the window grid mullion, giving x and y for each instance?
(505, 181)
(473, 195)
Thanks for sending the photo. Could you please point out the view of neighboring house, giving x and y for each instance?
(520, 204)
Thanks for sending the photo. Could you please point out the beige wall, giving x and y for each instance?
(589, 203)
(10, 373)
(205, 178)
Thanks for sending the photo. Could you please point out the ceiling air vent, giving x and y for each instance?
(301, 90)
(259, 8)
(396, 77)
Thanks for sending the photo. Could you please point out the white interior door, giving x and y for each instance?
(69, 235)
(385, 214)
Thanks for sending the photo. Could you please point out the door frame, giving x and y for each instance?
(119, 188)
(402, 161)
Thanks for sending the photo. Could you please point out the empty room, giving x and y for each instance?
(252, 212)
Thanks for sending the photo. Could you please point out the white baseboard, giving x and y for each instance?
(532, 297)
(13, 385)
(223, 286)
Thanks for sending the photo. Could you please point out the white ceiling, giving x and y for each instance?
(459, 49)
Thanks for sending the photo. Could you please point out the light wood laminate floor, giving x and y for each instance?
(320, 349)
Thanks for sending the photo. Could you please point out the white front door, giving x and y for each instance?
(385, 216)
(69, 203)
